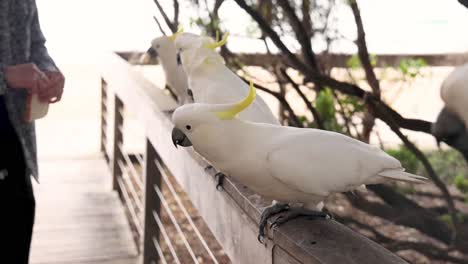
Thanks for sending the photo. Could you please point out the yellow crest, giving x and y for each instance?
(175, 35)
(240, 106)
(218, 43)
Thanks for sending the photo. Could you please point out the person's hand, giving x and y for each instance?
(25, 76)
(53, 91)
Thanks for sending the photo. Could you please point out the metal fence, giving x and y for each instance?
(162, 226)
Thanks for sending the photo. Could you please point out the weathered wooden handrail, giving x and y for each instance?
(338, 60)
(232, 214)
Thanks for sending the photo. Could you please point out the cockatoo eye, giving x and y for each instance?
(188, 127)
(158, 46)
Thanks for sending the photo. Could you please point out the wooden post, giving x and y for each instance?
(152, 205)
(104, 116)
(118, 139)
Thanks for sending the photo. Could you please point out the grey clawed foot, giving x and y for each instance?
(294, 213)
(219, 177)
(329, 214)
(267, 213)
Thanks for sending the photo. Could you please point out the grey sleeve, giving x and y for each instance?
(3, 37)
(39, 54)
(3, 85)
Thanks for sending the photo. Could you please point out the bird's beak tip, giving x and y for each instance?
(179, 138)
(152, 52)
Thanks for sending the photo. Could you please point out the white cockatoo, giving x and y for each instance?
(164, 48)
(452, 122)
(286, 164)
(211, 81)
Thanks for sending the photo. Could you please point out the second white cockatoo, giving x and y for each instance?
(452, 123)
(164, 48)
(286, 164)
(211, 81)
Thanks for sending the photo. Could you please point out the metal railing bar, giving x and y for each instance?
(104, 119)
(104, 132)
(131, 208)
(105, 145)
(159, 250)
(166, 237)
(184, 211)
(141, 160)
(176, 225)
(132, 168)
(131, 188)
(121, 111)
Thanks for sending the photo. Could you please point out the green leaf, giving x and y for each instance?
(461, 183)
(354, 62)
(411, 67)
(325, 104)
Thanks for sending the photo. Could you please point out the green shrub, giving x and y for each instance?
(461, 182)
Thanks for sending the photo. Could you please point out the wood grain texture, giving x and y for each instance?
(233, 214)
(78, 218)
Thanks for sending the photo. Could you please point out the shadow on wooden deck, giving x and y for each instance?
(78, 218)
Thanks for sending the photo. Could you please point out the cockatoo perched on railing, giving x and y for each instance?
(286, 164)
(452, 123)
(211, 81)
(164, 48)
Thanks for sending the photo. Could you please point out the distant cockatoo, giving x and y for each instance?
(452, 122)
(211, 81)
(164, 48)
(286, 164)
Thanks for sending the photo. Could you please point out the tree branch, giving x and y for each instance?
(282, 101)
(301, 34)
(430, 171)
(343, 87)
(315, 114)
(159, 26)
(363, 52)
(272, 34)
(384, 112)
(171, 26)
(306, 19)
(464, 2)
(176, 14)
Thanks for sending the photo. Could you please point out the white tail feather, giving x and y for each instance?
(399, 175)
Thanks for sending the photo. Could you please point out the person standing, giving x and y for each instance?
(25, 68)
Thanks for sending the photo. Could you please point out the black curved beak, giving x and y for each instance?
(152, 52)
(179, 138)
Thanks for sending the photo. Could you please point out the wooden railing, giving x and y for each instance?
(337, 60)
(232, 214)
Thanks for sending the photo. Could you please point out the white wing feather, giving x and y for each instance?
(321, 162)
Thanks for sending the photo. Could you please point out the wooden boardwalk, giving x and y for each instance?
(78, 218)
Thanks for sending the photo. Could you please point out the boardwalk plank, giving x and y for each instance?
(79, 220)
